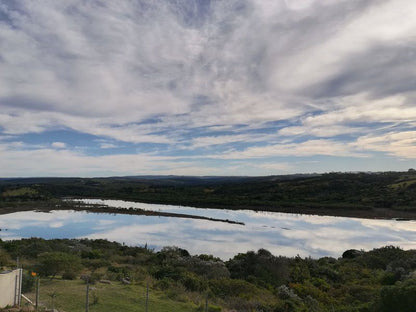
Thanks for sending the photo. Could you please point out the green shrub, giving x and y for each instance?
(398, 298)
(95, 277)
(211, 308)
(52, 263)
(193, 282)
(69, 275)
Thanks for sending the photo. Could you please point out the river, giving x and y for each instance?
(280, 233)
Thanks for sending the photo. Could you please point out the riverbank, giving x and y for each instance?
(350, 212)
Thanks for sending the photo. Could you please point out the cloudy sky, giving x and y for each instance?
(200, 87)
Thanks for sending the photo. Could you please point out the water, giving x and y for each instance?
(280, 233)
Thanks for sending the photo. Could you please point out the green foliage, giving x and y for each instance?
(91, 254)
(382, 279)
(106, 298)
(299, 271)
(193, 282)
(168, 272)
(211, 308)
(381, 257)
(223, 288)
(5, 258)
(30, 248)
(95, 277)
(94, 264)
(69, 275)
(261, 268)
(351, 254)
(401, 297)
(19, 193)
(52, 263)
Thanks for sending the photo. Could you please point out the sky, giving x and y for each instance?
(220, 87)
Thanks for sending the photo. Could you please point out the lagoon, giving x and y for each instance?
(280, 233)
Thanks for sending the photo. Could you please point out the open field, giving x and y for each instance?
(70, 295)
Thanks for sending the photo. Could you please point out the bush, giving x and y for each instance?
(193, 283)
(92, 254)
(95, 277)
(380, 258)
(260, 267)
(4, 258)
(94, 264)
(398, 298)
(352, 253)
(223, 288)
(164, 283)
(68, 275)
(52, 263)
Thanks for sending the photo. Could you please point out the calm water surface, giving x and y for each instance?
(280, 233)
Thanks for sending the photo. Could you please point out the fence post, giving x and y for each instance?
(20, 286)
(147, 295)
(16, 290)
(37, 293)
(87, 303)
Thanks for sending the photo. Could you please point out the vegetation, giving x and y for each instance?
(70, 296)
(382, 279)
(386, 194)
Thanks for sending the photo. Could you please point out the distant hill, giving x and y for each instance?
(159, 179)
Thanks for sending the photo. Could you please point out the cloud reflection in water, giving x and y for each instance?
(282, 234)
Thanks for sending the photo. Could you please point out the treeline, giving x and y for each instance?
(382, 279)
(387, 194)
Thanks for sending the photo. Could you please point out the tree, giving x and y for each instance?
(52, 263)
(398, 298)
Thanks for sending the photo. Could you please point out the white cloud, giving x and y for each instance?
(303, 149)
(190, 75)
(20, 161)
(205, 141)
(276, 168)
(58, 145)
(356, 116)
(108, 145)
(361, 108)
(123, 62)
(389, 22)
(400, 144)
(318, 131)
(56, 224)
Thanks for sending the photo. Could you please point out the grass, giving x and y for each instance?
(71, 295)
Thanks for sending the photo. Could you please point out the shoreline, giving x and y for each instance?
(330, 211)
(369, 213)
(92, 208)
